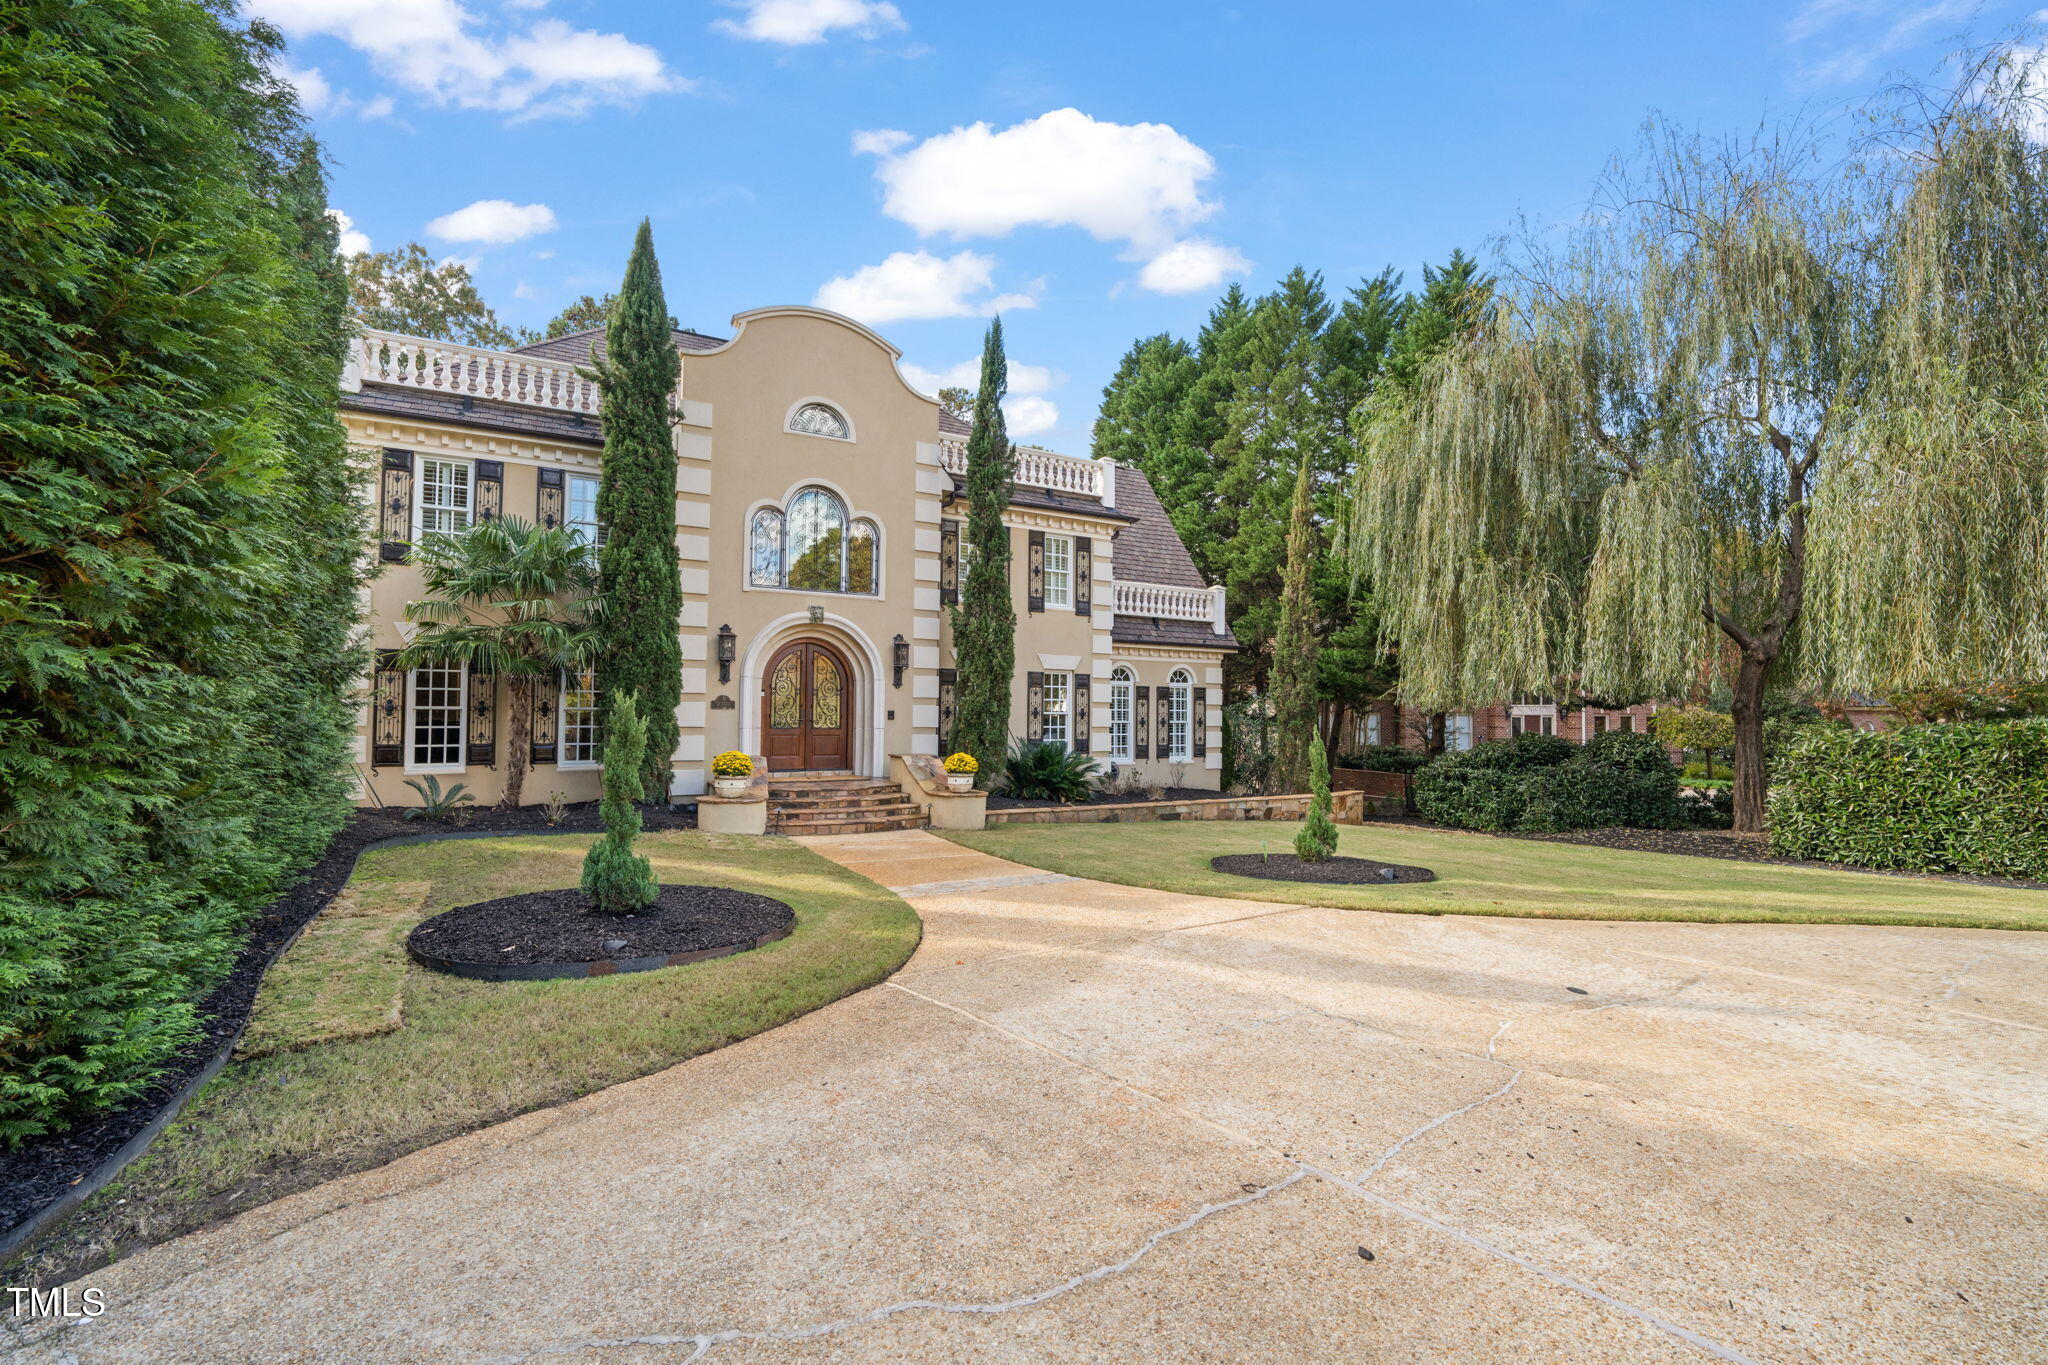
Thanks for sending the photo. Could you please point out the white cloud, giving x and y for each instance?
(437, 48)
(795, 22)
(523, 290)
(1863, 33)
(1024, 379)
(1139, 183)
(493, 222)
(1190, 266)
(350, 242)
(879, 141)
(315, 94)
(1029, 416)
(917, 284)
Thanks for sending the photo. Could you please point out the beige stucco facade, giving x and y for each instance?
(737, 454)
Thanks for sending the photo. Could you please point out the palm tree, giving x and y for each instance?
(513, 600)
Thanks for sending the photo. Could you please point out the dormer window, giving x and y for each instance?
(820, 419)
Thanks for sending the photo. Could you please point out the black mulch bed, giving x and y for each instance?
(40, 1171)
(1720, 843)
(555, 933)
(1285, 867)
(1101, 798)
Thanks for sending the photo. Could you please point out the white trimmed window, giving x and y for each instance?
(444, 501)
(1372, 727)
(582, 746)
(1121, 682)
(1180, 710)
(1059, 571)
(1534, 723)
(582, 503)
(1055, 716)
(1457, 733)
(435, 735)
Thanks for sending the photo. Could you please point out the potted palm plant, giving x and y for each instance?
(960, 771)
(731, 773)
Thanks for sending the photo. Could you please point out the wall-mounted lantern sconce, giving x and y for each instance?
(726, 640)
(902, 658)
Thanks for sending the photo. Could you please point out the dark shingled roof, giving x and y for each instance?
(1150, 551)
(949, 425)
(575, 347)
(397, 401)
(1190, 634)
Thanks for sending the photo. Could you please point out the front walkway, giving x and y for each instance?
(1093, 1122)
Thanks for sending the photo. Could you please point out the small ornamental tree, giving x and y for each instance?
(619, 881)
(985, 621)
(1695, 727)
(641, 652)
(1318, 837)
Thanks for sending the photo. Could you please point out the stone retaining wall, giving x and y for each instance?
(1346, 808)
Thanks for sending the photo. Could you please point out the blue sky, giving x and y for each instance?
(1098, 171)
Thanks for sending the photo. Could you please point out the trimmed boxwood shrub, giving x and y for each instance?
(1965, 797)
(1544, 784)
(1383, 758)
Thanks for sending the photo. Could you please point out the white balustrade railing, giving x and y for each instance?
(471, 371)
(1043, 469)
(1166, 601)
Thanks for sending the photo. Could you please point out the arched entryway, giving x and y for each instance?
(807, 706)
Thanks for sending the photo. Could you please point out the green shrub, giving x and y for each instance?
(1318, 837)
(1384, 758)
(1544, 784)
(618, 880)
(1966, 797)
(1046, 770)
(182, 533)
(1709, 808)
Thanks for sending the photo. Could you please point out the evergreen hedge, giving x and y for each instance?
(1544, 784)
(177, 587)
(1962, 797)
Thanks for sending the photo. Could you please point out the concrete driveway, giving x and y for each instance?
(1095, 1123)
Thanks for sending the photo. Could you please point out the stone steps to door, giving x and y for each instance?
(838, 803)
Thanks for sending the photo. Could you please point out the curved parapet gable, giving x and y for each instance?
(802, 310)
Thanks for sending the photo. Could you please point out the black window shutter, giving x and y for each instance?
(949, 560)
(1034, 572)
(1084, 575)
(1141, 723)
(546, 693)
(490, 490)
(387, 712)
(394, 506)
(1034, 705)
(549, 508)
(949, 690)
(1163, 745)
(1199, 711)
(483, 719)
(1080, 716)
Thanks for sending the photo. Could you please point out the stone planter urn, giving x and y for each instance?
(960, 782)
(731, 786)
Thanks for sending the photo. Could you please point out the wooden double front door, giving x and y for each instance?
(807, 709)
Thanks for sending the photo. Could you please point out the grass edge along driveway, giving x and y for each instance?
(1482, 875)
(468, 1054)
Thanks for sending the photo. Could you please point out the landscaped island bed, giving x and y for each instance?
(1478, 874)
(542, 935)
(470, 1053)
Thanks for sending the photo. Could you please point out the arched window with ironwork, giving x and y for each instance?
(813, 546)
(820, 419)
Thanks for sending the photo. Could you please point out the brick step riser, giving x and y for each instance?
(844, 817)
(782, 793)
(890, 798)
(852, 827)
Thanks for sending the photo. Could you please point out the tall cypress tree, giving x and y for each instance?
(1292, 683)
(985, 621)
(639, 651)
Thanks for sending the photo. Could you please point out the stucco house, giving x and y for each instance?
(818, 532)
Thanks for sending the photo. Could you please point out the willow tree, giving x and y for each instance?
(1765, 414)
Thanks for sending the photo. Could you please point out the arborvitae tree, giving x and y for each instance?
(1279, 419)
(985, 619)
(618, 880)
(1784, 400)
(639, 649)
(1293, 677)
(1318, 837)
(181, 547)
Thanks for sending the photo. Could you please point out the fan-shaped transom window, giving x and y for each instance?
(812, 546)
(820, 419)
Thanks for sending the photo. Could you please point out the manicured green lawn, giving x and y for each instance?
(1478, 875)
(471, 1053)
